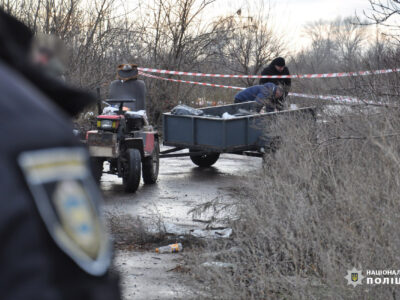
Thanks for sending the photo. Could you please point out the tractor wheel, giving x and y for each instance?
(97, 167)
(205, 160)
(151, 165)
(131, 170)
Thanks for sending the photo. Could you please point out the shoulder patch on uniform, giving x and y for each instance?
(64, 192)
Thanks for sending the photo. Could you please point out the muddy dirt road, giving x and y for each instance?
(165, 205)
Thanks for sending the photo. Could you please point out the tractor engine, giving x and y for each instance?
(109, 122)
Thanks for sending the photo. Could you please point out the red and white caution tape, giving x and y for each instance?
(335, 98)
(326, 75)
(193, 82)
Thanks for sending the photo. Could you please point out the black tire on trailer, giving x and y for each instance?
(151, 165)
(96, 164)
(131, 170)
(205, 160)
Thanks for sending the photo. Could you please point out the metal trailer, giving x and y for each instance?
(207, 137)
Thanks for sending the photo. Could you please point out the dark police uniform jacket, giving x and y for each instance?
(52, 241)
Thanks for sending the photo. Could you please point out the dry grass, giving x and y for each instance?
(326, 202)
(132, 234)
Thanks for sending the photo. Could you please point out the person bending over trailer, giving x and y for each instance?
(266, 94)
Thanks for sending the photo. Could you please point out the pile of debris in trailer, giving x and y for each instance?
(184, 110)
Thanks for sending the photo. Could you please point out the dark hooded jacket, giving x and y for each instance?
(35, 112)
(271, 70)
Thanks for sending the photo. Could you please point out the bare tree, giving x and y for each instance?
(176, 36)
(350, 39)
(383, 12)
(250, 43)
(96, 33)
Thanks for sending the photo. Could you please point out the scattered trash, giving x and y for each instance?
(137, 113)
(226, 115)
(172, 248)
(110, 110)
(89, 115)
(217, 264)
(184, 110)
(140, 114)
(217, 233)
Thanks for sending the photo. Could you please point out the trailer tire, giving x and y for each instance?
(204, 161)
(96, 164)
(151, 165)
(132, 170)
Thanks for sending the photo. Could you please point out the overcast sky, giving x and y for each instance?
(309, 10)
(301, 12)
(290, 16)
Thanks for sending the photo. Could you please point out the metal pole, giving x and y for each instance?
(98, 100)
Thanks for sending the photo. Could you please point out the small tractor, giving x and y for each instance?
(127, 142)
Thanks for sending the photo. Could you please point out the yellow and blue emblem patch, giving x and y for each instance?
(67, 196)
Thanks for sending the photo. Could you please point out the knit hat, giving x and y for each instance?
(279, 61)
(127, 72)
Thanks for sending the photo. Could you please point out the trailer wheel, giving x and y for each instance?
(205, 160)
(151, 165)
(96, 164)
(131, 170)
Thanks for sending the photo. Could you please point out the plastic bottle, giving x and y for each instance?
(170, 248)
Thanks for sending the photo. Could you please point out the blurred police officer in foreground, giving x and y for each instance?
(53, 244)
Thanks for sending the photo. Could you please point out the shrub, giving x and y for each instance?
(325, 202)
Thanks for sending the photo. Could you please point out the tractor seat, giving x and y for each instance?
(131, 89)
